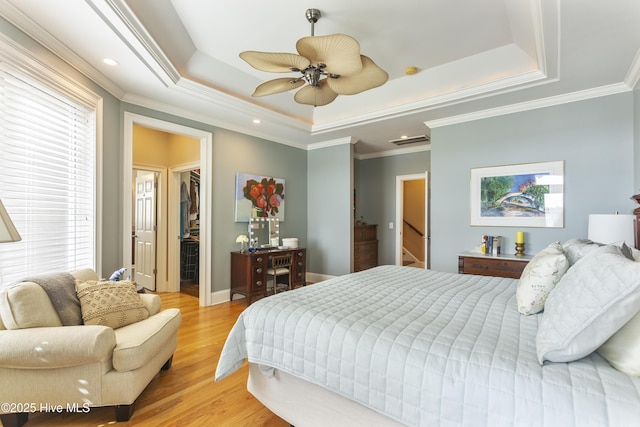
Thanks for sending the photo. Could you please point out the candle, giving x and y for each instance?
(520, 237)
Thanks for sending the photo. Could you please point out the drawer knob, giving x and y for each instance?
(259, 270)
(259, 283)
(259, 259)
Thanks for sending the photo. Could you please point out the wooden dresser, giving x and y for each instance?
(365, 246)
(249, 271)
(492, 265)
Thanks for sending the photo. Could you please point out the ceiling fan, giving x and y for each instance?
(331, 65)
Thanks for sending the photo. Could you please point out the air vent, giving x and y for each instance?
(410, 140)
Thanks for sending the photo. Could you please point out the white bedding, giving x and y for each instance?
(428, 348)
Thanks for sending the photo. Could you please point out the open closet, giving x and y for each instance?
(189, 231)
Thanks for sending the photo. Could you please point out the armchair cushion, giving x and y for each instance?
(113, 304)
(140, 342)
(27, 305)
(58, 347)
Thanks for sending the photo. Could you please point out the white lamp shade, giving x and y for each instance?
(612, 228)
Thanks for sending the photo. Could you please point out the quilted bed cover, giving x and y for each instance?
(428, 348)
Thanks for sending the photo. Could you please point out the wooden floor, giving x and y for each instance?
(186, 394)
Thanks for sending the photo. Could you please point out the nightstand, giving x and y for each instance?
(492, 265)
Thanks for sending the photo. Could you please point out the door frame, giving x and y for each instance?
(400, 179)
(206, 191)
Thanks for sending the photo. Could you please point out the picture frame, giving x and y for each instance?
(259, 197)
(521, 195)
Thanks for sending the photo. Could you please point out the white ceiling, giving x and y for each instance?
(475, 58)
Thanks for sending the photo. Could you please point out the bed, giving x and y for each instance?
(403, 346)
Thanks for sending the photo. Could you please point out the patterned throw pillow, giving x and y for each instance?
(113, 304)
(539, 278)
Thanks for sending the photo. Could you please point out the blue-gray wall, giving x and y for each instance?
(598, 139)
(329, 212)
(594, 138)
(375, 183)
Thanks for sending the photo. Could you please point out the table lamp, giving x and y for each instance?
(611, 228)
(8, 232)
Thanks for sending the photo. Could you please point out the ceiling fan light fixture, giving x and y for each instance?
(331, 65)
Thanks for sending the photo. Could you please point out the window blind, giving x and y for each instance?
(47, 177)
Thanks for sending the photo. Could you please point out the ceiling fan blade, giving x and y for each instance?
(316, 96)
(277, 86)
(371, 76)
(339, 52)
(274, 62)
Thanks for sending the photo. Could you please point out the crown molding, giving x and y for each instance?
(332, 143)
(395, 152)
(531, 105)
(37, 33)
(206, 119)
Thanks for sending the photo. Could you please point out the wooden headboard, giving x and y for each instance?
(636, 212)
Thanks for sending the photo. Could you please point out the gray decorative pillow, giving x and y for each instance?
(592, 301)
(539, 277)
(575, 249)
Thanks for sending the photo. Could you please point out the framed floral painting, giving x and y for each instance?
(525, 195)
(259, 197)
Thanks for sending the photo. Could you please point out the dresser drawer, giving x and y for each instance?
(492, 266)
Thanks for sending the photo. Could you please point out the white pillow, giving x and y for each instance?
(592, 301)
(622, 350)
(539, 277)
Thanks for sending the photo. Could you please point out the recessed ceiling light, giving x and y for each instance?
(110, 61)
(256, 121)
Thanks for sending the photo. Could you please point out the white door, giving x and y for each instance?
(145, 231)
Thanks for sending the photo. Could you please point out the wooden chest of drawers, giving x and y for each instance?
(492, 265)
(249, 271)
(365, 246)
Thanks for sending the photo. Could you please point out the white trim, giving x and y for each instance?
(531, 105)
(395, 152)
(99, 184)
(332, 143)
(206, 191)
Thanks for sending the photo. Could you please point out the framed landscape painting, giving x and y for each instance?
(525, 195)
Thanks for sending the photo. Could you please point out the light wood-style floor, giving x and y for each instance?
(186, 394)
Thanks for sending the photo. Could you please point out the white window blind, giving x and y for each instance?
(47, 177)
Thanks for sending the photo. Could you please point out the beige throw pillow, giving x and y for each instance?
(539, 277)
(622, 350)
(113, 304)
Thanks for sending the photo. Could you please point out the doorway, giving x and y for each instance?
(171, 258)
(412, 220)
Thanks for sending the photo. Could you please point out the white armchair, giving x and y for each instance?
(77, 367)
